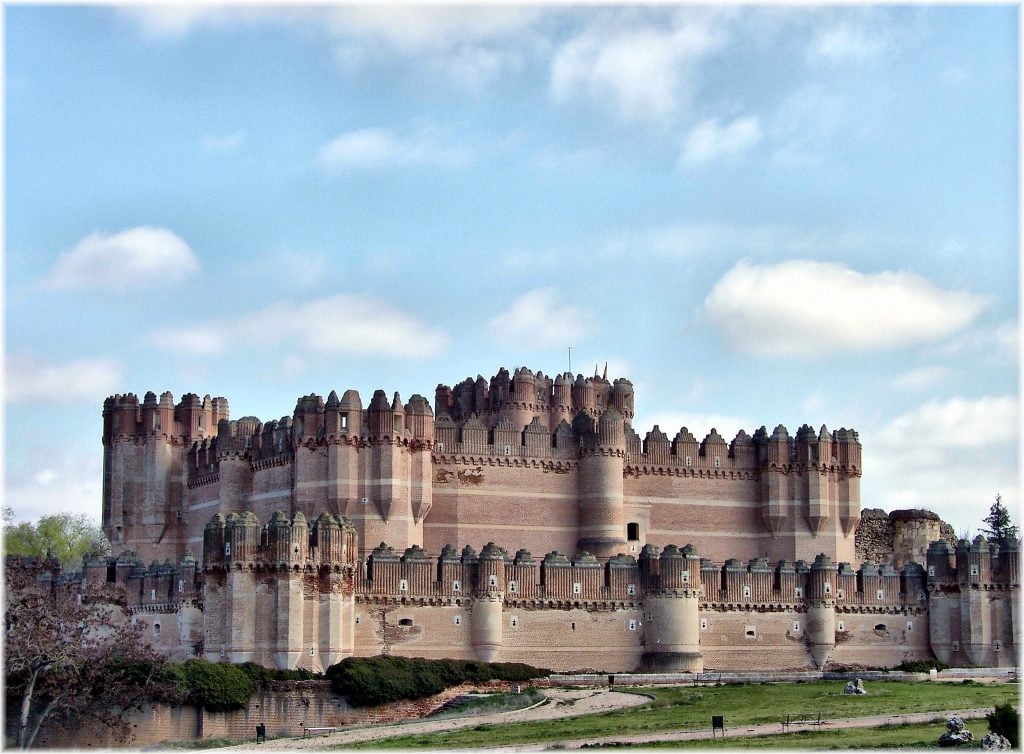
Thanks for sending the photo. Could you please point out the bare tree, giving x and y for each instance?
(73, 655)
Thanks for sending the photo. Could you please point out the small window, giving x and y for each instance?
(718, 462)
(840, 626)
(828, 587)
(405, 621)
(79, 599)
(956, 646)
(746, 591)
(458, 620)
(796, 626)
(456, 586)
(974, 569)
(910, 625)
(931, 570)
(632, 625)
(798, 591)
(403, 586)
(998, 645)
(685, 577)
(227, 548)
(508, 450)
(513, 621)
(880, 594)
(344, 421)
(577, 588)
(880, 627)
(703, 624)
(513, 586)
(573, 625)
(689, 460)
(750, 632)
(311, 651)
(357, 620)
(296, 550)
(440, 447)
(181, 585)
(630, 588)
(633, 532)
(152, 594)
(156, 629)
(492, 580)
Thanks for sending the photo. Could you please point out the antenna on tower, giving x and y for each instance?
(570, 359)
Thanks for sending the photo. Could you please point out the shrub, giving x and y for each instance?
(1005, 721)
(217, 687)
(369, 681)
(262, 677)
(921, 666)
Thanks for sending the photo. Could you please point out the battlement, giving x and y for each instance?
(125, 418)
(237, 541)
(977, 564)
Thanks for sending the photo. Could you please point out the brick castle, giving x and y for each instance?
(286, 516)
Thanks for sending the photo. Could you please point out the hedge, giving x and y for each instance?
(369, 681)
(218, 687)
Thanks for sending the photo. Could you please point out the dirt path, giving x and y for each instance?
(564, 703)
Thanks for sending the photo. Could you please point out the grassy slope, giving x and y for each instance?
(678, 708)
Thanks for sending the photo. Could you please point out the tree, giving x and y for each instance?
(999, 524)
(78, 658)
(66, 536)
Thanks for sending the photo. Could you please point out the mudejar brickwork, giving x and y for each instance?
(342, 530)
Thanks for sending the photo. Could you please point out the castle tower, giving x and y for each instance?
(487, 603)
(672, 636)
(241, 550)
(821, 613)
(602, 524)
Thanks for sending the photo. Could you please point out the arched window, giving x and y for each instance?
(633, 531)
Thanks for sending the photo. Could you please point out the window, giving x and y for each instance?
(156, 629)
(296, 549)
(689, 460)
(357, 620)
(998, 645)
(152, 594)
(227, 549)
(440, 447)
(880, 627)
(746, 591)
(508, 450)
(880, 594)
(181, 585)
(632, 625)
(79, 599)
(311, 651)
(718, 462)
(685, 577)
(405, 621)
(573, 625)
(513, 621)
(633, 532)
(840, 626)
(513, 586)
(492, 580)
(577, 588)
(931, 570)
(458, 620)
(703, 624)
(630, 588)
(956, 646)
(456, 586)
(750, 632)
(974, 569)
(796, 626)
(403, 586)
(344, 422)
(910, 625)
(828, 588)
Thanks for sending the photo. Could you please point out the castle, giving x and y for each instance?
(287, 515)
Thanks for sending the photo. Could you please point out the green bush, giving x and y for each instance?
(262, 677)
(217, 687)
(1005, 721)
(921, 666)
(369, 681)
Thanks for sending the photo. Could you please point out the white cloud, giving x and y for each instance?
(709, 141)
(848, 41)
(805, 308)
(930, 457)
(1000, 340)
(68, 483)
(645, 72)
(921, 378)
(137, 256)
(541, 318)
(224, 143)
(171, 20)
(27, 378)
(339, 324)
(373, 148)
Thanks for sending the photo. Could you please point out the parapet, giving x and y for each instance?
(238, 541)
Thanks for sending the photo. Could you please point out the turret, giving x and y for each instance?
(672, 636)
(622, 398)
(582, 394)
(381, 419)
(419, 419)
(821, 614)
(487, 603)
(601, 519)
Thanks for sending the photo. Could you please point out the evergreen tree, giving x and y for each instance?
(999, 524)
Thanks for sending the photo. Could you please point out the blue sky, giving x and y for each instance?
(759, 215)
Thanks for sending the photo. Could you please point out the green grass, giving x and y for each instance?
(916, 736)
(680, 708)
(504, 702)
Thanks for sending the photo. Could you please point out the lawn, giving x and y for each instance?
(680, 708)
(918, 736)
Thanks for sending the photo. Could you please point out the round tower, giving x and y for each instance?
(672, 634)
(487, 603)
(602, 528)
(821, 613)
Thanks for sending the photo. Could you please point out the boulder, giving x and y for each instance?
(956, 733)
(995, 742)
(856, 686)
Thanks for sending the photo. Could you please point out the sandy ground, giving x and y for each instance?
(564, 703)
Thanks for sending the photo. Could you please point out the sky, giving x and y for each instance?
(760, 215)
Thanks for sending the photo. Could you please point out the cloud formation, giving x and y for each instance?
(223, 143)
(375, 148)
(925, 458)
(848, 41)
(804, 308)
(541, 319)
(27, 378)
(339, 324)
(643, 71)
(709, 141)
(67, 482)
(137, 256)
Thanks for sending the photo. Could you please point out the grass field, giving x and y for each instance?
(681, 708)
